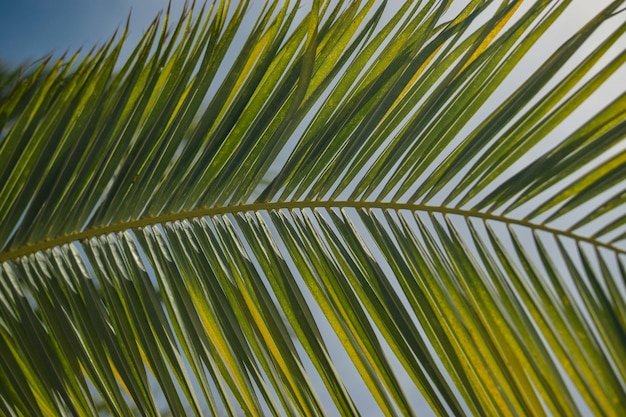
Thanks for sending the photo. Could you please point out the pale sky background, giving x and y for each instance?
(30, 29)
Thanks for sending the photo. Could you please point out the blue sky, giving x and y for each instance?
(30, 29)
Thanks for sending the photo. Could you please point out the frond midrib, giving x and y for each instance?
(290, 205)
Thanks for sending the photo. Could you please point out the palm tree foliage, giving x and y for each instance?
(252, 200)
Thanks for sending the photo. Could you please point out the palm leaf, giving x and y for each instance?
(267, 209)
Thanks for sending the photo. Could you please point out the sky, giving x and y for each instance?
(31, 29)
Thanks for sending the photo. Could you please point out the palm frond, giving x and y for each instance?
(265, 209)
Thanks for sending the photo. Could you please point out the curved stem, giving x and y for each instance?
(282, 205)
